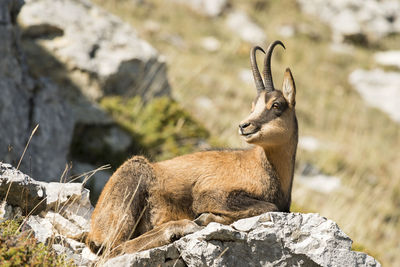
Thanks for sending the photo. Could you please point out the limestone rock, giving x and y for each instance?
(15, 86)
(309, 143)
(240, 23)
(6, 211)
(26, 102)
(59, 194)
(99, 55)
(48, 151)
(211, 8)
(152, 257)
(355, 20)
(379, 89)
(210, 43)
(388, 58)
(64, 226)
(271, 239)
(103, 54)
(77, 251)
(41, 227)
(20, 190)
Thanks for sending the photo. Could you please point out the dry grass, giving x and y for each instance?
(361, 141)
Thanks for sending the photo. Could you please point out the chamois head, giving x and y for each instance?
(272, 120)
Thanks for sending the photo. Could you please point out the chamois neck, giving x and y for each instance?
(282, 158)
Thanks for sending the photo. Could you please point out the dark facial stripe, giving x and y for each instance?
(272, 113)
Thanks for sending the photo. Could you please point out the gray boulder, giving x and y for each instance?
(26, 102)
(271, 239)
(98, 54)
(102, 53)
(47, 154)
(15, 87)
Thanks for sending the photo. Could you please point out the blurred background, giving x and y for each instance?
(108, 79)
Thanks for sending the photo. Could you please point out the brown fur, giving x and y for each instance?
(145, 204)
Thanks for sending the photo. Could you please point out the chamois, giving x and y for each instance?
(145, 205)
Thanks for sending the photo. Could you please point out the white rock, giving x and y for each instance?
(88, 255)
(346, 23)
(245, 225)
(286, 31)
(240, 23)
(372, 19)
(79, 215)
(14, 183)
(388, 58)
(64, 226)
(320, 182)
(79, 211)
(93, 42)
(309, 143)
(42, 228)
(273, 239)
(152, 257)
(210, 8)
(379, 89)
(204, 103)
(6, 211)
(246, 76)
(58, 194)
(77, 251)
(210, 43)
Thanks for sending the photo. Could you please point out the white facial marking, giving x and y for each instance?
(259, 106)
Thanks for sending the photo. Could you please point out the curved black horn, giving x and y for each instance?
(269, 84)
(254, 68)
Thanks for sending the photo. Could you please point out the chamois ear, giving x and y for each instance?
(289, 88)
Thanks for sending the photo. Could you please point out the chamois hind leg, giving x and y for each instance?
(121, 211)
(158, 236)
(230, 210)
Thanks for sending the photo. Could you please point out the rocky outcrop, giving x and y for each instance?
(58, 213)
(102, 53)
(271, 239)
(84, 53)
(354, 20)
(21, 190)
(15, 86)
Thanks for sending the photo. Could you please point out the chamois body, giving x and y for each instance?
(145, 204)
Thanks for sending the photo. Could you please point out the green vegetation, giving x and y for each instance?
(21, 249)
(359, 142)
(161, 127)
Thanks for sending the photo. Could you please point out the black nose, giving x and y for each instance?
(244, 125)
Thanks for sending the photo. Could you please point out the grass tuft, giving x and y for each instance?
(21, 249)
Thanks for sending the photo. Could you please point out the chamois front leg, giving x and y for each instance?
(158, 236)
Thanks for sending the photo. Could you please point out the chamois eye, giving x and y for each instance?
(275, 105)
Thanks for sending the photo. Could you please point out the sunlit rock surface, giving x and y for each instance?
(380, 89)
